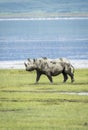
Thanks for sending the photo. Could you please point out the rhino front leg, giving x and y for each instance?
(38, 76)
(50, 78)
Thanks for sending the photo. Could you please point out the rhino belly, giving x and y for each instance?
(55, 73)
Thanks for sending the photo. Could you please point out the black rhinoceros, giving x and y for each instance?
(51, 67)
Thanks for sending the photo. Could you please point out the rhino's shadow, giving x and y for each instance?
(45, 84)
(53, 84)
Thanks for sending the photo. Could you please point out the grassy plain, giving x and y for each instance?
(28, 106)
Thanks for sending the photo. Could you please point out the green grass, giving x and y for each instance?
(28, 106)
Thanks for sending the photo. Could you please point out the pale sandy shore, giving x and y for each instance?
(20, 64)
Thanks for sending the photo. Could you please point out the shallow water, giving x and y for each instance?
(75, 93)
(20, 64)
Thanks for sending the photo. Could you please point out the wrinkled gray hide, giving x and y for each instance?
(51, 67)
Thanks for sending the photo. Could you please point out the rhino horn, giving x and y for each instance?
(34, 60)
(28, 59)
(25, 64)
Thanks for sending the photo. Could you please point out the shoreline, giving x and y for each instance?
(78, 64)
(42, 18)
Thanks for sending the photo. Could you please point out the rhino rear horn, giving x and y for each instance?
(28, 59)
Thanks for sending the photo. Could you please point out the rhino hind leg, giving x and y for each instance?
(71, 76)
(65, 77)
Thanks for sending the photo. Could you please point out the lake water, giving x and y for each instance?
(23, 38)
(21, 50)
(33, 38)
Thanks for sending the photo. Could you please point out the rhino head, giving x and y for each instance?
(30, 65)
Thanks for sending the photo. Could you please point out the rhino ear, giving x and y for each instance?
(34, 60)
(25, 64)
(44, 58)
(28, 59)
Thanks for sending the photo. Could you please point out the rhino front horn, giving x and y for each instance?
(25, 64)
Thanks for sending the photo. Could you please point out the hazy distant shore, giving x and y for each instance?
(42, 15)
(78, 64)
